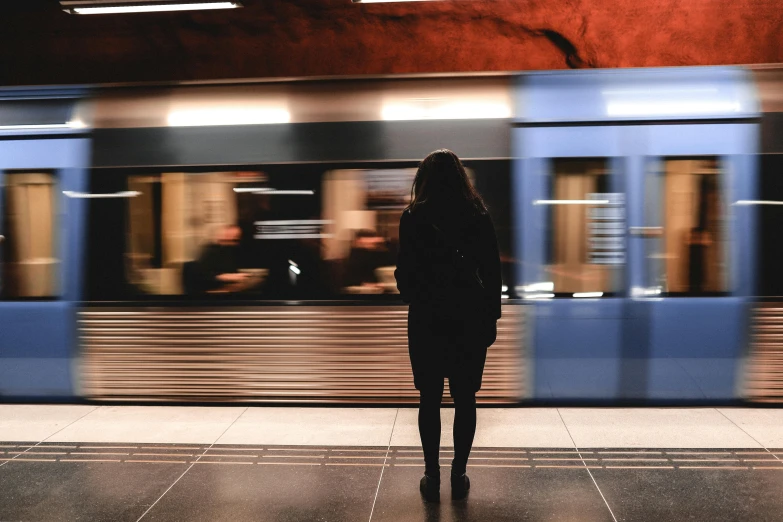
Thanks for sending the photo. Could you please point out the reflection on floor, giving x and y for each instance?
(145, 481)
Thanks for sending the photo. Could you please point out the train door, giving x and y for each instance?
(572, 200)
(697, 253)
(42, 159)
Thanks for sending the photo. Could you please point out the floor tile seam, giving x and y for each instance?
(217, 441)
(51, 435)
(749, 435)
(586, 467)
(198, 458)
(383, 468)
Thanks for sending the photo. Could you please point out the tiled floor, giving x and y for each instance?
(343, 464)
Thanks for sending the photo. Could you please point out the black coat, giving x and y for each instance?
(448, 320)
(425, 265)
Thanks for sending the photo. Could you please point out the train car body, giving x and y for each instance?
(625, 203)
(624, 319)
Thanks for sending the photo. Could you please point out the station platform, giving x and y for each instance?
(151, 463)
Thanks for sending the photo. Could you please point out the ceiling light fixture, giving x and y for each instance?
(385, 1)
(85, 7)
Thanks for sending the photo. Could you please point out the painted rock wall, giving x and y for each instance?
(39, 44)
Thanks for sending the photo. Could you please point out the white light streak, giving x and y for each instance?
(588, 294)
(570, 202)
(74, 124)
(288, 192)
(744, 202)
(539, 296)
(123, 9)
(228, 116)
(87, 195)
(547, 286)
(251, 190)
(638, 291)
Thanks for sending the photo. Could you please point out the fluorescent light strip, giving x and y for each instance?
(87, 195)
(744, 202)
(571, 202)
(118, 9)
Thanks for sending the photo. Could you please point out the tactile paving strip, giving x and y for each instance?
(264, 455)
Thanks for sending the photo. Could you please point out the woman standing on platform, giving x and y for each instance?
(448, 269)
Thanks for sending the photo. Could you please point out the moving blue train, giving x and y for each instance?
(236, 242)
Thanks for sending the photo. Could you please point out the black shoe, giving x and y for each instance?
(460, 484)
(430, 488)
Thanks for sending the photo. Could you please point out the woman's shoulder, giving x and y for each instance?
(485, 219)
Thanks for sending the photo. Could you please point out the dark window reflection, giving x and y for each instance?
(276, 232)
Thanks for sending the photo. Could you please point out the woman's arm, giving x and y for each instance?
(405, 259)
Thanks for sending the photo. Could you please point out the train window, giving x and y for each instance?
(586, 227)
(29, 254)
(274, 232)
(685, 198)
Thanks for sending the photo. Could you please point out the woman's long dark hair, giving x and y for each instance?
(442, 185)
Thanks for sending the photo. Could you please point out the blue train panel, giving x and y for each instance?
(42, 276)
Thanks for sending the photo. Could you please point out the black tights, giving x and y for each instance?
(429, 429)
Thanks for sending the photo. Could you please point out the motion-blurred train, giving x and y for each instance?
(236, 242)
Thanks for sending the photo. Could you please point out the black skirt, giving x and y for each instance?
(444, 347)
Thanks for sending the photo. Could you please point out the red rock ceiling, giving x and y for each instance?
(39, 44)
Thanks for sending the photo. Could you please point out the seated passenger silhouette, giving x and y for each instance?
(368, 253)
(218, 265)
(448, 269)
